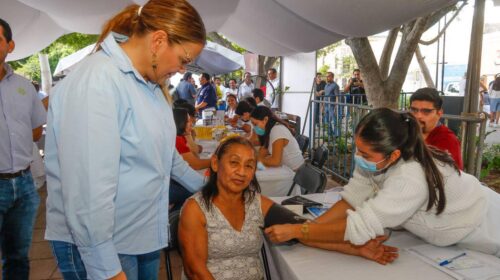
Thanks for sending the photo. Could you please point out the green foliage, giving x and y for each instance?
(323, 69)
(491, 160)
(328, 49)
(65, 45)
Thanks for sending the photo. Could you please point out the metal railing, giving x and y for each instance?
(333, 124)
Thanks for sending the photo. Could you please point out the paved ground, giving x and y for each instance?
(493, 137)
(43, 265)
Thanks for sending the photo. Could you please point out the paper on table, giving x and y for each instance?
(466, 267)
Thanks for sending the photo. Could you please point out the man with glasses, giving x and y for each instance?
(426, 107)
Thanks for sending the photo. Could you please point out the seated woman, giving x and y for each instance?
(190, 138)
(241, 118)
(177, 193)
(220, 227)
(278, 144)
(400, 182)
(231, 106)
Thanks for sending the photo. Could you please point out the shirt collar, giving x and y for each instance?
(8, 70)
(111, 47)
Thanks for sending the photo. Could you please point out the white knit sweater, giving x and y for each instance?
(399, 198)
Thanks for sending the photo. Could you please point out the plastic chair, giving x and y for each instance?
(311, 179)
(303, 142)
(173, 244)
(319, 157)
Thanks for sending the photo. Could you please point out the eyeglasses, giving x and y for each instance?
(187, 57)
(424, 111)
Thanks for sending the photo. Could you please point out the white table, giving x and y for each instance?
(302, 262)
(274, 181)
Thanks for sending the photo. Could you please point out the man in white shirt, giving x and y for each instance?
(246, 87)
(232, 89)
(272, 91)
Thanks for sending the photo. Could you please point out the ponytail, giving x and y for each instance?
(387, 130)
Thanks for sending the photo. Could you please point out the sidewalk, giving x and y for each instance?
(43, 264)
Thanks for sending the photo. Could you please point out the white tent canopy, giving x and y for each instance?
(267, 27)
(214, 59)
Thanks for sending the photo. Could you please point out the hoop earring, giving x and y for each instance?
(154, 64)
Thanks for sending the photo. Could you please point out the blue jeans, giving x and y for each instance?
(18, 206)
(136, 267)
(177, 195)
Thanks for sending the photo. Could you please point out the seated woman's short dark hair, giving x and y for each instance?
(257, 92)
(181, 119)
(251, 101)
(243, 107)
(186, 106)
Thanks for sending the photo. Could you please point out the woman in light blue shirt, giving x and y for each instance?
(110, 148)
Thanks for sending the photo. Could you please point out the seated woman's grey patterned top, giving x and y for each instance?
(233, 254)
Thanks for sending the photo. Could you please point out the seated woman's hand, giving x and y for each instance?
(375, 250)
(282, 233)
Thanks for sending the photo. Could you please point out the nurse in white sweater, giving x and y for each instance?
(278, 146)
(400, 182)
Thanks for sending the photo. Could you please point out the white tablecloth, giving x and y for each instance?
(274, 181)
(302, 262)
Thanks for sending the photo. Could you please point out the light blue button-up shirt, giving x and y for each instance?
(110, 154)
(20, 112)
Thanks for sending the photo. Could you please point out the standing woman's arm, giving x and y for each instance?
(88, 151)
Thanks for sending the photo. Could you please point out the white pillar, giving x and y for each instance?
(298, 73)
(46, 75)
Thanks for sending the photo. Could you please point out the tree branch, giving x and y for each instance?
(409, 43)
(217, 38)
(385, 58)
(432, 41)
(423, 68)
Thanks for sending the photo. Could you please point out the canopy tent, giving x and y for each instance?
(214, 59)
(267, 27)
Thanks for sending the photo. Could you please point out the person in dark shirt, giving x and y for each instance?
(207, 97)
(319, 91)
(426, 107)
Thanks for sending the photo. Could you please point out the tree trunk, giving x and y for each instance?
(423, 67)
(370, 71)
(385, 58)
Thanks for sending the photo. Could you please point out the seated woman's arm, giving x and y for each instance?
(193, 239)
(331, 232)
(195, 162)
(193, 147)
(276, 157)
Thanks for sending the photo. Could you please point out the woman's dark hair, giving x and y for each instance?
(257, 92)
(243, 107)
(186, 106)
(251, 101)
(496, 83)
(209, 191)
(260, 113)
(387, 130)
(181, 119)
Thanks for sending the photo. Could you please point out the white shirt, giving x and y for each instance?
(292, 156)
(245, 91)
(399, 198)
(228, 91)
(270, 93)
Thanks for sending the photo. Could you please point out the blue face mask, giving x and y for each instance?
(259, 131)
(366, 165)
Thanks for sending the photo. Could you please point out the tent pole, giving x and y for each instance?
(472, 86)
